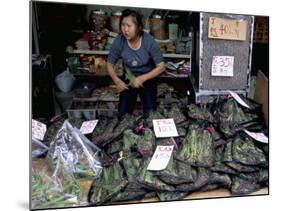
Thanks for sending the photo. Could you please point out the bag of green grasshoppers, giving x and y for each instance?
(58, 190)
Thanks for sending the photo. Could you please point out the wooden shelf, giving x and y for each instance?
(96, 52)
(90, 52)
(179, 56)
(94, 99)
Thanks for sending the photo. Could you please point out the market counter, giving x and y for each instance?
(86, 185)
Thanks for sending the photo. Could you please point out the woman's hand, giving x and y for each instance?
(138, 82)
(121, 86)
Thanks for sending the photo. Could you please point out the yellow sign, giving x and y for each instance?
(228, 29)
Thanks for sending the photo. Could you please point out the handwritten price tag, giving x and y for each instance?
(238, 99)
(222, 65)
(160, 158)
(229, 29)
(164, 128)
(38, 130)
(88, 126)
(258, 136)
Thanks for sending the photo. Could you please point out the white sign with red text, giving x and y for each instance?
(222, 66)
(160, 158)
(38, 130)
(164, 128)
(88, 126)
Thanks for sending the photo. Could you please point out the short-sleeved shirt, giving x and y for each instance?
(139, 61)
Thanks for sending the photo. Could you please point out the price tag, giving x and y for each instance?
(228, 29)
(160, 158)
(164, 128)
(222, 66)
(238, 99)
(258, 136)
(38, 130)
(88, 126)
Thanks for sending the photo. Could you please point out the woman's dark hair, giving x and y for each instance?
(137, 19)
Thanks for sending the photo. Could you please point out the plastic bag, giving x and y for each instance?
(65, 81)
(59, 190)
(38, 148)
(80, 154)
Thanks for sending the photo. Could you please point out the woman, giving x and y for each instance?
(142, 57)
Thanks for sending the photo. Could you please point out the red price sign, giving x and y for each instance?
(229, 29)
(222, 65)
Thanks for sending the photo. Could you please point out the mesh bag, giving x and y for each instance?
(132, 166)
(242, 186)
(127, 122)
(245, 152)
(171, 196)
(144, 142)
(219, 166)
(153, 115)
(150, 181)
(181, 131)
(129, 194)
(110, 183)
(197, 148)
(232, 118)
(114, 147)
(103, 132)
(202, 178)
(222, 179)
(228, 160)
(197, 113)
(176, 172)
(175, 113)
(263, 177)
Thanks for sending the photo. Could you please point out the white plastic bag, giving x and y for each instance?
(65, 81)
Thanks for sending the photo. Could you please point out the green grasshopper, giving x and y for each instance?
(130, 77)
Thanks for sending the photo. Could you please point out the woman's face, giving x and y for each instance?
(129, 28)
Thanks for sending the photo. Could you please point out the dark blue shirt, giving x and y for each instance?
(139, 61)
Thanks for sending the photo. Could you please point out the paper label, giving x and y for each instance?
(164, 128)
(160, 158)
(88, 126)
(222, 66)
(38, 130)
(258, 136)
(238, 99)
(229, 29)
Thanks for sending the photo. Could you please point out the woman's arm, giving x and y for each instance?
(160, 68)
(121, 86)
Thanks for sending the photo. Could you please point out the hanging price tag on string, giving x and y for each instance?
(258, 136)
(88, 126)
(164, 128)
(160, 158)
(38, 130)
(238, 99)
